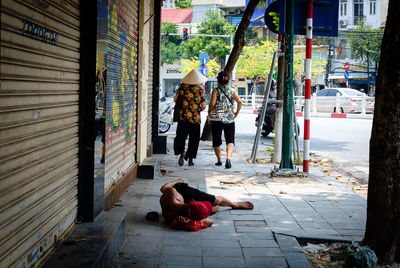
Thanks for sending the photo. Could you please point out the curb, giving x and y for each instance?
(338, 115)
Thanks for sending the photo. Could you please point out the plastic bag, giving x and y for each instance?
(192, 226)
(207, 132)
(360, 256)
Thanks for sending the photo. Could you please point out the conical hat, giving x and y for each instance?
(194, 77)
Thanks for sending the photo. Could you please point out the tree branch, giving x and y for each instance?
(239, 35)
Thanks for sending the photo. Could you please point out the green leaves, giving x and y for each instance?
(183, 4)
(214, 46)
(170, 51)
(366, 42)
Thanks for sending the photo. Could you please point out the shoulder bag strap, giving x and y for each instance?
(226, 95)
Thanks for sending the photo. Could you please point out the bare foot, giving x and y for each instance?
(214, 209)
(244, 205)
(208, 221)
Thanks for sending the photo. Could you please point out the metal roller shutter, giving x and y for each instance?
(150, 79)
(39, 93)
(121, 89)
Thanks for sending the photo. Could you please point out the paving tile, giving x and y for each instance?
(249, 229)
(182, 250)
(314, 231)
(349, 226)
(174, 242)
(221, 243)
(297, 260)
(142, 260)
(181, 261)
(250, 217)
(218, 236)
(222, 251)
(265, 262)
(221, 229)
(312, 224)
(223, 262)
(255, 236)
(261, 243)
(288, 243)
(351, 232)
(182, 235)
(244, 212)
(135, 245)
(250, 223)
(262, 252)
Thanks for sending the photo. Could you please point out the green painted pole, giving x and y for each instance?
(287, 125)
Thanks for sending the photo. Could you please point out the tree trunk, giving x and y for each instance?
(239, 35)
(383, 212)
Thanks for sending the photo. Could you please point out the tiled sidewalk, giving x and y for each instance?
(264, 237)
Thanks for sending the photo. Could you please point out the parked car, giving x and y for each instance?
(350, 101)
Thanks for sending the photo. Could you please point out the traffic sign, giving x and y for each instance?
(346, 75)
(203, 70)
(325, 17)
(271, 17)
(346, 66)
(204, 56)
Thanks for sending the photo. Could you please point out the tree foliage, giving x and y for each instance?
(214, 46)
(366, 42)
(183, 4)
(170, 50)
(255, 62)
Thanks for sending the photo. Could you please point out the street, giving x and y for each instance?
(345, 141)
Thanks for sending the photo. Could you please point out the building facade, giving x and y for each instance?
(352, 12)
(58, 59)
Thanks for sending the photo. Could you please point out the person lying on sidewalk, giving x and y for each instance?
(177, 195)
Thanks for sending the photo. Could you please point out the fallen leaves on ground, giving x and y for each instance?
(325, 255)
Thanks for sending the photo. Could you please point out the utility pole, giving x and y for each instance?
(328, 64)
(279, 96)
(286, 165)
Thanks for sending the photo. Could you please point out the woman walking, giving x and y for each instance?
(224, 98)
(191, 101)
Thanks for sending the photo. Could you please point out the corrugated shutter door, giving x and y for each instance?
(121, 89)
(150, 81)
(39, 93)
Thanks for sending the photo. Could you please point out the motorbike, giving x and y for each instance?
(165, 115)
(269, 119)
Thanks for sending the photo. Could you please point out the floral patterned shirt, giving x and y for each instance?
(229, 113)
(192, 98)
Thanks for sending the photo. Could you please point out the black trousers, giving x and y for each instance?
(182, 131)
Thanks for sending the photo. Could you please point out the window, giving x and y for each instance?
(372, 7)
(199, 11)
(323, 93)
(241, 79)
(358, 10)
(333, 92)
(343, 7)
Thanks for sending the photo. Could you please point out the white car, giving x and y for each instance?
(350, 101)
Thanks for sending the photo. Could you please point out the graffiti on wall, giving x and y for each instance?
(121, 66)
(35, 31)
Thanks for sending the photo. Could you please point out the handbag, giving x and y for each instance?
(177, 109)
(217, 112)
(206, 134)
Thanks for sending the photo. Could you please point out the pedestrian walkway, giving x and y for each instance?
(285, 208)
